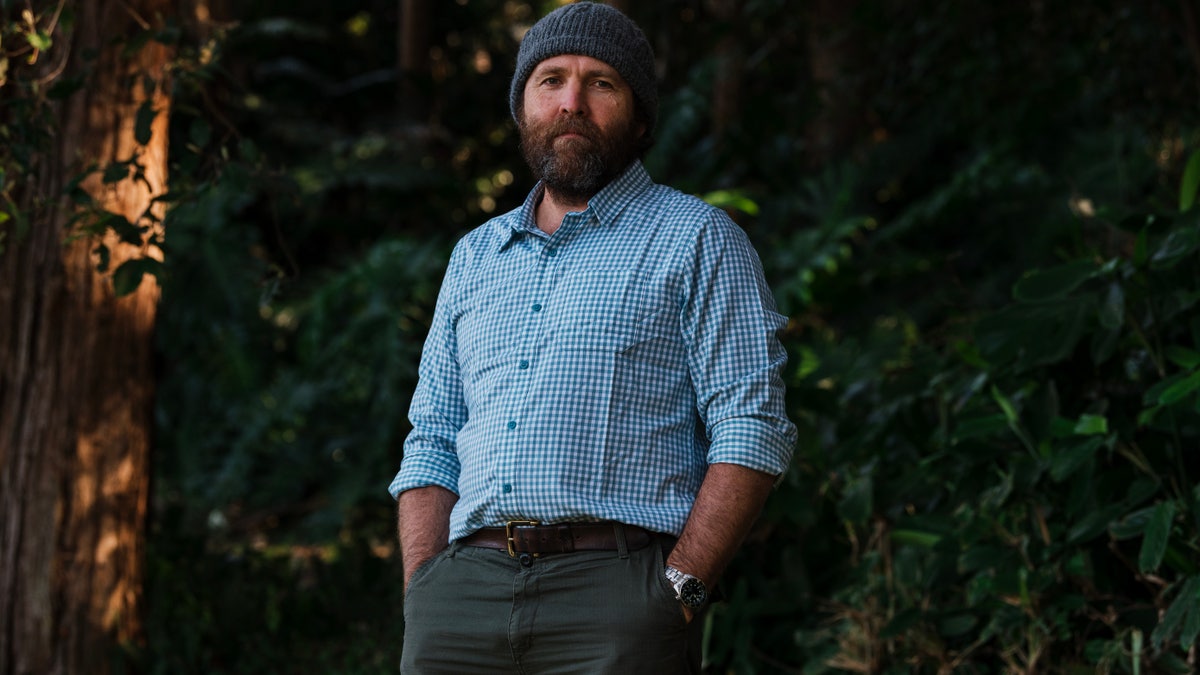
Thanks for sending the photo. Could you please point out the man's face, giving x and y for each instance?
(577, 124)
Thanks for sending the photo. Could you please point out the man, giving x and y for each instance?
(599, 415)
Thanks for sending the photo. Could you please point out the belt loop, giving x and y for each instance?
(622, 545)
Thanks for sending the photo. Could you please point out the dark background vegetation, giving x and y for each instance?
(978, 214)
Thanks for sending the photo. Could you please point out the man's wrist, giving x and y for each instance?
(690, 590)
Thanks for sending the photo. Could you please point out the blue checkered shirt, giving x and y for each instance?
(595, 373)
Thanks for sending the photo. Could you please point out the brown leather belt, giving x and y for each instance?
(527, 536)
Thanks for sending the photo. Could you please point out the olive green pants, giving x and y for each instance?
(477, 610)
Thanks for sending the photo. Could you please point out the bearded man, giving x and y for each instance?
(599, 415)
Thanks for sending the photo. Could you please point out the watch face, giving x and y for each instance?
(693, 594)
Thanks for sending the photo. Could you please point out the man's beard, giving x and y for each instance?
(577, 168)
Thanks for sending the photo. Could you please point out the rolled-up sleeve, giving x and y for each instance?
(438, 408)
(730, 325)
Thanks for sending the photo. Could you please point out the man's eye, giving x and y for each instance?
(604, 84)
(550, 80)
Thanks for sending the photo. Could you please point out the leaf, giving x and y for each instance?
(1179, 245)
(916, 538)
(1158, 533)
(102, 254)
(1190, 182)
(1056, 282)
(128, 276)
(1132, 524)
(1064, 464)
(732, 199)
(1034, 333)
(1184, 605)
(1183, 357)
(1180, 389)
(1091, 424)
(1112, 307)
(1093, 524)
(39, 40)
(1010, 412)
(116, 172)
(975, 427)
(142, 130)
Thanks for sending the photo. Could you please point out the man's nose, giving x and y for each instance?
(572, 101)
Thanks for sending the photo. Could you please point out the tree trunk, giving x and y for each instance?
(76, 379)
(413, 58)
(832, 52)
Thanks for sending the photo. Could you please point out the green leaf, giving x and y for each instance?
(732, 199)
(128, 276)
(1158, 533)
(1010, 411)
(1034, 333)
(1141, 248)
(1064, 464)
(1180, 389)
(1132, 524)
(116, 172)
(1093, 523)
(1091, 424)
(1179, 245)
(975, 427)
(1190, 182)
(1185, 604)
(1112, 307)
(916, 538)
(40, 40)
(102, 255)
(1183, 357)
(142, 130)
(1056, 282)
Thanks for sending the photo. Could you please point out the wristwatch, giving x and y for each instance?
(688, 589)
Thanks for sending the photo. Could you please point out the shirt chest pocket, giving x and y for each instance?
(613, 310)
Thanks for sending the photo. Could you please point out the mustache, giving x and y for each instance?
(572, 125)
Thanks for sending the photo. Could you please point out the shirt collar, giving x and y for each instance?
(607, 204)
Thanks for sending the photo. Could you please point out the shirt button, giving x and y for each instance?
(537, 307)
(552, 252)
(507, 488)
(523, 364)
(512, 425)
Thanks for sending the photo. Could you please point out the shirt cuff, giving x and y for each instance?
(423, 469)
(756, 443)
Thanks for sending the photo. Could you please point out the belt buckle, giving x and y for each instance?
(508, 533)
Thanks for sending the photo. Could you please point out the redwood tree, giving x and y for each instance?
(83, 108)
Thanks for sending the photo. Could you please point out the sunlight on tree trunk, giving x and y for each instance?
(76, 360)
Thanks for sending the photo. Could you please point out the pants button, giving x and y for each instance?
(526, 560)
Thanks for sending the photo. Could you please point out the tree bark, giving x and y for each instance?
(413, 58)
(76, 378)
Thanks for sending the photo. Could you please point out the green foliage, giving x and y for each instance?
(31, 91)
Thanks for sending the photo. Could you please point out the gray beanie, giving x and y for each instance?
(595, 30)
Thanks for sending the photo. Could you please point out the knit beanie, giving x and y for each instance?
(595, 30)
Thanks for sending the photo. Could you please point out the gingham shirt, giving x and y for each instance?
(595, 373)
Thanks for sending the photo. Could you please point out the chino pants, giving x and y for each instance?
(477, 610)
